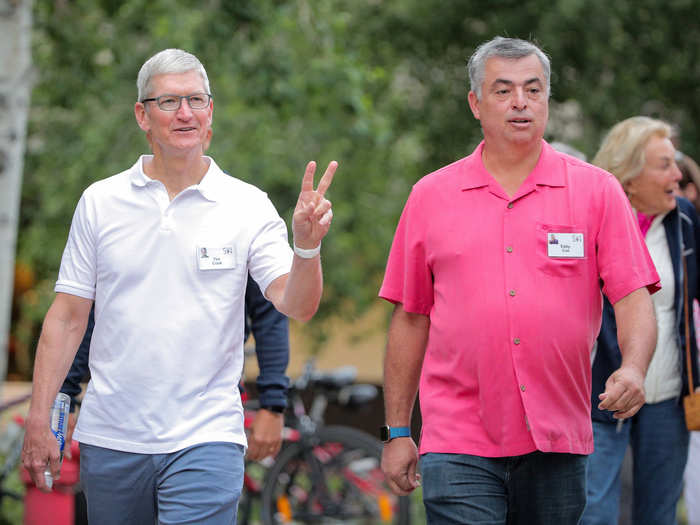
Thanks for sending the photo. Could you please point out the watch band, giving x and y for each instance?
(388, 433)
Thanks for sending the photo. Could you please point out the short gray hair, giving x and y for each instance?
(511, 48)
(168, 61)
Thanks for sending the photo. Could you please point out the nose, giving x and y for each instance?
(519, 100)
(184, 112)
(677, 175)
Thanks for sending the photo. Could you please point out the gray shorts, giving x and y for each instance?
(200, 484)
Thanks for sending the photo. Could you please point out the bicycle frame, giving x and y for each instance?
(315, 455)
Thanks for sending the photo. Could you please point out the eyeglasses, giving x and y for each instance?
(173, 102)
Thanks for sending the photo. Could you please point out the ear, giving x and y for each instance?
(629, 185)
(473, 104)
(211, 111)
(141, 116)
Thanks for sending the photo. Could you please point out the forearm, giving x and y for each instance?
(72, 383)
(408, 336)
(298, 294)
(636, 335)
(636, 329)
(272, 382)
(61, 334)
(79, 370)
(271, 331)
(72, 388)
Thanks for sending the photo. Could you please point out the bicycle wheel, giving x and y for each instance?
(335, 480)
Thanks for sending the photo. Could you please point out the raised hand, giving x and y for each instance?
(313, 213)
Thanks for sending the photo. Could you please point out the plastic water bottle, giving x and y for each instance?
(59, 425)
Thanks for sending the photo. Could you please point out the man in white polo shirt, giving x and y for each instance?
(161, 427)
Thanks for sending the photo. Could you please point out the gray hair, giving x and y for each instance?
(511, 48)
(168, 61)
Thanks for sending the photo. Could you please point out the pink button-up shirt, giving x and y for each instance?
(512, 322)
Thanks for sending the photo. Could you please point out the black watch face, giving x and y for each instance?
(384, 433)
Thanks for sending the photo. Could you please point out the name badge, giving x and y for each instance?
(566, 245)
(209, 258)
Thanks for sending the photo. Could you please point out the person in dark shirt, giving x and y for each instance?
(271, 332)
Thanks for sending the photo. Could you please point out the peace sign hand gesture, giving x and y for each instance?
(313, 213)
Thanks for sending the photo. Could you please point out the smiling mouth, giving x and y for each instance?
(185, 129)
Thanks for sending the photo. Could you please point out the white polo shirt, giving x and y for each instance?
(663, 380)
(168, 280)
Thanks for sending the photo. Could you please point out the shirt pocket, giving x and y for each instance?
(559, 266)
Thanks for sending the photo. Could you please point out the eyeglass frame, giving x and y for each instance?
(179, 97)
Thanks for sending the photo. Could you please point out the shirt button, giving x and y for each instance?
(512, 293)
(509, 249)
(522, 387)
(516, 340)
(510, 205)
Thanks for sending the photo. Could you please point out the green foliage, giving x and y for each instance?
(379, 86)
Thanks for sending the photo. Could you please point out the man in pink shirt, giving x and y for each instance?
(496, 272)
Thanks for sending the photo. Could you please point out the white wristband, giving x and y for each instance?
(307, 254)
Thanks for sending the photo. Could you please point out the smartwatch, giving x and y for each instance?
(387, 433)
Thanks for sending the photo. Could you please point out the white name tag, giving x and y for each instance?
(566, 245)
(209, 258)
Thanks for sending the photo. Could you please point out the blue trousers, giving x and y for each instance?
(199, 485)
(533, 489)
(659, 441)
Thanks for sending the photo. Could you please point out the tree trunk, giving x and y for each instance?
(15, 87)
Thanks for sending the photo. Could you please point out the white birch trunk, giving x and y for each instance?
(15, 87)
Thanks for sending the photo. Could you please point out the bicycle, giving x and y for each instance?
(326, 474)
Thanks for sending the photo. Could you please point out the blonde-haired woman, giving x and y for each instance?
(639, 152)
